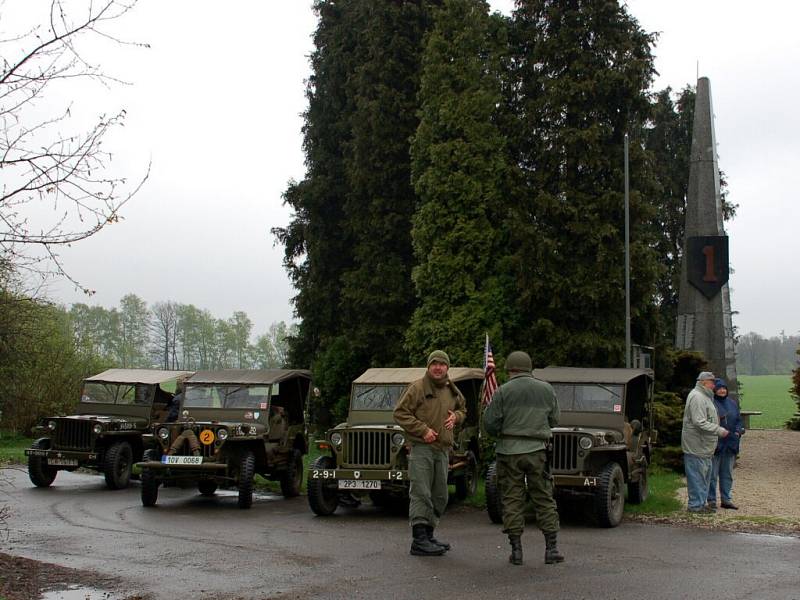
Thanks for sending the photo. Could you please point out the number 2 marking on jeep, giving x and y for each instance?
(398, 475)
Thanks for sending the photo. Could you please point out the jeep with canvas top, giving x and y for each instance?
(234, 425)
(603, 441)
(116, 408)
(368, 454)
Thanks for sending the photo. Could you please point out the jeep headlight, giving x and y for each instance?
(222, 434)
(585, 442)
(51, 425)
(97, 428)
(336, 439)
(163, 433)
(398, 439)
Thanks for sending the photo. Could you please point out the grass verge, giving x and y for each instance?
(12, 447)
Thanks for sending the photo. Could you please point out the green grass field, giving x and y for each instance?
(770, 395)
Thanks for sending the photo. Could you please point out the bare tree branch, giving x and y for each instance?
(43, 169)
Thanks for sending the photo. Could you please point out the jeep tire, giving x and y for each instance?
(467, 482)
(40, 474)
(292, 478)
(117, 465)
(323, 495)
(247, 470)
(149, 481)
(494, 503)
(609, 499)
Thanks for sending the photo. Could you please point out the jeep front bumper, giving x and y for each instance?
(62, 458)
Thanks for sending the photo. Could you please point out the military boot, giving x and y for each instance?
(516, 548)
(551, 553)
(429, 531)
(422, 546)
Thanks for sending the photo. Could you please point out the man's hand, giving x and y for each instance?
(450, 421)
(430, 436)
(725, 433)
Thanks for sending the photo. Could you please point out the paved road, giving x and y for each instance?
(195, 547)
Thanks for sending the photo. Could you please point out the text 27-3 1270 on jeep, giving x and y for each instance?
(367, 455)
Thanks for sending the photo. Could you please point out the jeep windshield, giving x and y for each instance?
(376, 397)
(117, 393)
(226, 396)
(589, 398)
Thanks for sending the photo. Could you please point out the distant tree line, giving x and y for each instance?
(47, 350)
(465, 175)
(169, 335)
(757, 355)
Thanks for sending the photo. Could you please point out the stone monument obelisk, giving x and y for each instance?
(704, 304)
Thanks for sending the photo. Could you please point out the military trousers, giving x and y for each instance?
(427, 467)
(526, 475)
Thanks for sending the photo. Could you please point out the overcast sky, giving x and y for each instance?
(216, 105)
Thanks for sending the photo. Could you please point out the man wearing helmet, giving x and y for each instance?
(520, 417)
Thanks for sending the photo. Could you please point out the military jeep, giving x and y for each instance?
(106, 432)
(234, 424)
(603, 441)
(369, 452)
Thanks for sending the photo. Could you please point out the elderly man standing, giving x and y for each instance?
(699, 440)
(428, 411)
(520, 416)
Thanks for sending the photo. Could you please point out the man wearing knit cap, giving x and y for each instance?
(428, 411)
(699, 440)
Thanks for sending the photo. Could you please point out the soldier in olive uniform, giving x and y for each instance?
(520, 416)
(428, 411)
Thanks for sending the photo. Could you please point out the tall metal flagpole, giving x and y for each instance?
(627, 265)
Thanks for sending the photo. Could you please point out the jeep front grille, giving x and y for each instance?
(367, 449)
(206, 451)
(71, 434)
(565, 452)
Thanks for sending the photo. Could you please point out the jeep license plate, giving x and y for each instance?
(359, 484)
(182, 460)
(63, 462)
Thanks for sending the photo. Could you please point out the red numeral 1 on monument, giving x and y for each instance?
(709, 253)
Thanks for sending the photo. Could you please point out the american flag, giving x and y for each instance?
(489, 377)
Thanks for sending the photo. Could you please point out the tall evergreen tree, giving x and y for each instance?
(580, 71)
(459, 173)
(348, 247)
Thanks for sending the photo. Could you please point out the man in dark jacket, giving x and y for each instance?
(727, 447)
(520, 416)
(428, 411)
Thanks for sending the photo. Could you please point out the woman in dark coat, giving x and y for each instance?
(727, 447)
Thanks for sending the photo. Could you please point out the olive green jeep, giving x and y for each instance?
(369, 452)
(234, 424)
(106, 432)
(603, 442)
